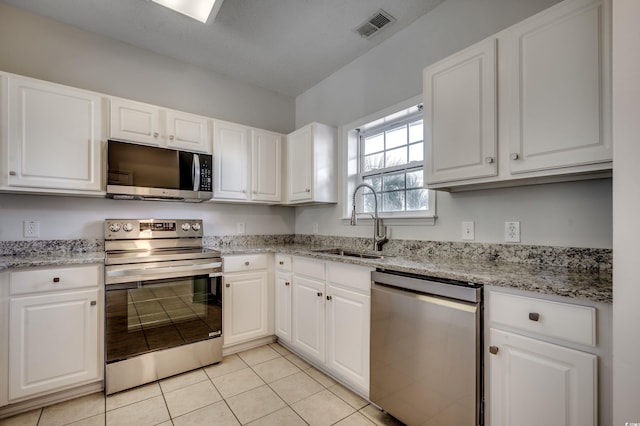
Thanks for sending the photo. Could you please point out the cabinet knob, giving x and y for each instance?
(56, 279)
(493, 350)
(94, 303)
(156, 134)
(12, 173)
(281, 262)
(488, 160)
(308, 190)
(329, 297)
(319, 294)
(171, 137)
(247, 263)
(534, 316)
(515, 156)
(287, 283)
(227, 285)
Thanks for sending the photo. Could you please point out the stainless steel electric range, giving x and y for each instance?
(163, 301)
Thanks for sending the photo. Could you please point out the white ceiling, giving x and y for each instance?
(283, 45)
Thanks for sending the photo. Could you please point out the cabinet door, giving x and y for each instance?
(134, 121)
(187, 131)
(54, 136)
(231, 158)
(307, 320)
(245, 307)
(283, 307)
(266, 166)
(460, 115)
(299, 165)
(54, 342)
(557, 65)
(536, 383)
(348, 319)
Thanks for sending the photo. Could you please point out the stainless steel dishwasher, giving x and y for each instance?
(426, 349)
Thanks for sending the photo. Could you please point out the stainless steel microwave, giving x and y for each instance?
(141, 172)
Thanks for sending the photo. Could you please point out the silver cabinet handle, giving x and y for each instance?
(329, 297)
(488, 160)
(156, 134)
(56, 279)
(493, 350)
(534, 316)
(515, 156)
(12, 173)
(319, 294)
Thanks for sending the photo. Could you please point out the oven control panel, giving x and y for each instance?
(128, 229)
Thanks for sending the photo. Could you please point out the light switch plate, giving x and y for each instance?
(468, 231)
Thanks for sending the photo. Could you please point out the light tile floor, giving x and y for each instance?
(263, 386)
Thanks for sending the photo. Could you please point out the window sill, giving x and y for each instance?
(395, 220)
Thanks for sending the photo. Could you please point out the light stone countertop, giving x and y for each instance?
(573, 283)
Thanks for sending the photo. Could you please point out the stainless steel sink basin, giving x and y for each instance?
(350, 253)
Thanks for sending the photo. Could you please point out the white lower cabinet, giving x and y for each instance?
(246, 299)
(331, 305)
(55, 330)
(535, 375)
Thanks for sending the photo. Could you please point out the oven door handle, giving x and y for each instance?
(118, 275)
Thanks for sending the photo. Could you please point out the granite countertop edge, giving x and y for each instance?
(593, 286)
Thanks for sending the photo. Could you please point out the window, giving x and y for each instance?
(391, 161)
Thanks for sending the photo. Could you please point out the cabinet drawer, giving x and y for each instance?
(283, 262)
(53, 279)
(309, 267)
(245, 262)
(350, 276)
(573, 323)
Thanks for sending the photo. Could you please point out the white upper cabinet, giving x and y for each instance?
(54, 136)
(461, 136)
(248, 164)
(311, 165)
(552, 100)
(556, 68)
(152, 125)
(231, 161)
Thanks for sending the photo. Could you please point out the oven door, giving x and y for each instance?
(149, 315)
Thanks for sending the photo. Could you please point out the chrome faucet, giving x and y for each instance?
(379, 231)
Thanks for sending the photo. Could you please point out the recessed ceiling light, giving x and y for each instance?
(200, 10)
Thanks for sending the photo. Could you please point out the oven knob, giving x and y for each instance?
(185, 227)
(114, 227)
(195, 226)
(127, 227)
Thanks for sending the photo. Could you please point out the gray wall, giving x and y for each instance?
(563, 214)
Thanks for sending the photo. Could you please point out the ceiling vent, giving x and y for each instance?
(374, 24)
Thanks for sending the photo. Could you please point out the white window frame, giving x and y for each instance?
(351, 169)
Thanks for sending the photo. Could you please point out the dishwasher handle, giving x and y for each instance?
(429, 285)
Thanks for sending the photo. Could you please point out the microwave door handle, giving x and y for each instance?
(195, 172)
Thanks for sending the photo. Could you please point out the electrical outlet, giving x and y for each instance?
(468, 231)
(315, 227)
(512, 232)
(240, 227)
(31, 229)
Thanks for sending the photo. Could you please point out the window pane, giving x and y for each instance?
(414, 179)
(393, 182)
(374, 144)
(397, 137)
(417, 199)
(374, 181)
(373, 162)
(415, 131)
(393, 201)
(416, 152)
(396, 157)
(369, 203)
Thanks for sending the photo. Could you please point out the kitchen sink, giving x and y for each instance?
(350, 253)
